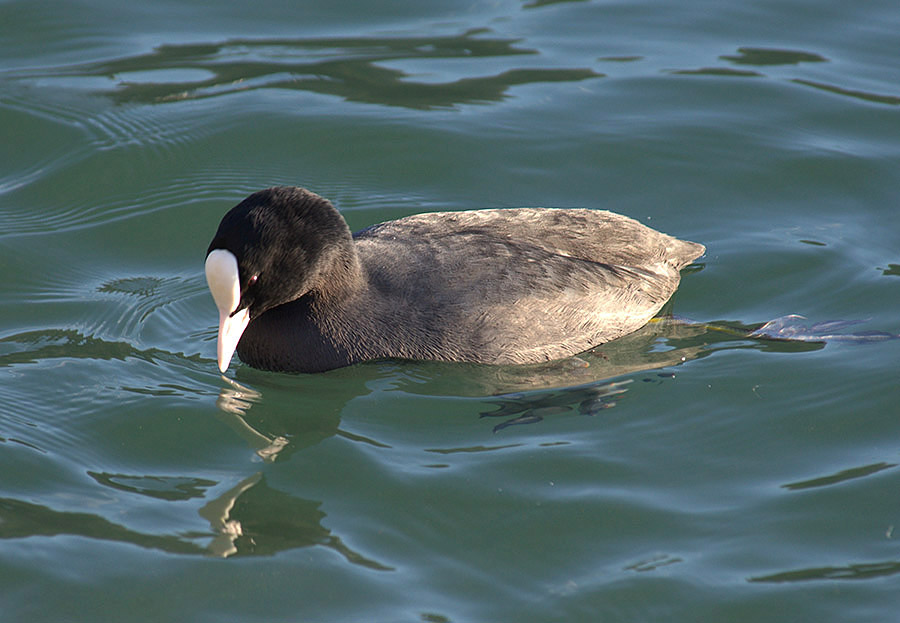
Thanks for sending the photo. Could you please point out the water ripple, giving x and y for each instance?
(350, 68)
(176, 192)
(875, 98)
(840, 477)
(856, 571)
(772, 56)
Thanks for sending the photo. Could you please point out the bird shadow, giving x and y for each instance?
(586, 385)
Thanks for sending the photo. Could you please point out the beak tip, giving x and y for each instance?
(230, 330)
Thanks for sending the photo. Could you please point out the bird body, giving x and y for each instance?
(495, 286)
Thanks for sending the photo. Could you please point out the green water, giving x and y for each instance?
(687, 474)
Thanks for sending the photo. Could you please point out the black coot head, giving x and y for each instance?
(284, 240)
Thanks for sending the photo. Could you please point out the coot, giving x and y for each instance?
(297, 292)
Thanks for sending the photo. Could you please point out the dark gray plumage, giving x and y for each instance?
(500, 286)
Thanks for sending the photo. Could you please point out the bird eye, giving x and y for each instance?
(252, 280)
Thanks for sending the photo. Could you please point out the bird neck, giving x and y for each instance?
(342, 277)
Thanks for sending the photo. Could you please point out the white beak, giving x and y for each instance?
(224, 283)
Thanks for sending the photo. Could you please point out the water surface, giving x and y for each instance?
(689, 472)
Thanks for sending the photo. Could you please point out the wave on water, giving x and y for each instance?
(67, 214)
(133, 102)
(251, 518)
(122, 318)
(88, 136)
(351, 68)
(45, 345)
(763, 58)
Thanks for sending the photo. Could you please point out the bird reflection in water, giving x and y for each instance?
(586, 384)
(234, 400)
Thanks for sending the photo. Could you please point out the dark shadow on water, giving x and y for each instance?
(772, 56)
(534, 4)
(36, 346)
(350, 68)
(586, 400)
(250, 519)
(839, 477)
(875, 98)
(587, 384)
(718, 71)
(755, 57)
(20, 519)
(857, 571)
(161, 487)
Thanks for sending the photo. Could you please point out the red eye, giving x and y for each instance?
(252, 280)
